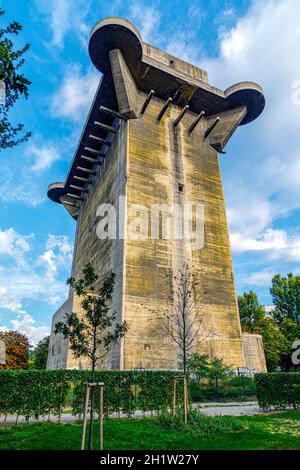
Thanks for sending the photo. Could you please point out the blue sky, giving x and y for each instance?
(255, 40)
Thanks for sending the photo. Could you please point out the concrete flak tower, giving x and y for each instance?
(150, 142)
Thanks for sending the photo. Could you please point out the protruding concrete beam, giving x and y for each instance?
(211, 127)
(106, 127)
(93, 160)
(180, 115)
(125, 86)
(79, 188)
(86, 170)
(75, 196)
(98, 139)
(196, 122)
(80, 178)
(93, 151)
(112, 112)
(65, 203)
(147, 101)
(163, 109)
(229, 122)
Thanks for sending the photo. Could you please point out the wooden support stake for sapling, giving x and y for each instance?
(185, 396)
(174, 395)
(186, 403)
(85, 411)
(101, 416)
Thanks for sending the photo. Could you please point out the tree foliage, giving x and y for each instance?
(15, 84)
(199, 365)
(16, 350)
(219, 371)
(275, 343)
(285, 292)
(250, 310)
(281, 327)
(93, 334)
(40, 354)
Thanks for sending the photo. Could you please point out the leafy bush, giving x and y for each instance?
(198, 423)
(278, 389)
(38, 393)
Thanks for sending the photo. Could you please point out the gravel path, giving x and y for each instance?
(232, 410)
(210, 409)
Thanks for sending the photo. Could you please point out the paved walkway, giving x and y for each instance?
(210, 409)
(230, 409)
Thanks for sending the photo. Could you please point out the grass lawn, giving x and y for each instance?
(268, 431)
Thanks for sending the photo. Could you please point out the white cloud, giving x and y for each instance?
(76, 94)
(20, 178)
(19, 186)
(28, 276)
(58, 253)
(26, 324)
(269, 240)
(44, 156)
(66, 17)
(60, 20)
(147, 19)
(259, 278)
(276, 244)
(14, 245)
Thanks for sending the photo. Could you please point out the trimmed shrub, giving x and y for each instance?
(279, 390)
(38, 393)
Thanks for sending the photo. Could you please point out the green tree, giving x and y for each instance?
(279, 329)
(275, 343)
(17, 348)
(199, 365)
(285, 292)
(254, 320)
(14, 84)
(219, 372)
(291, 332)
(40, 354)
(93, 334)
(250, 310)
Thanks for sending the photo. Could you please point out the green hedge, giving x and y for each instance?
(237, 388)
(278, 389)
(38, 393)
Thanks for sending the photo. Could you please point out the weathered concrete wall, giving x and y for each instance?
(59, 354)
(58, 346)
(159, 159)
(254, 352)
(105, 255)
